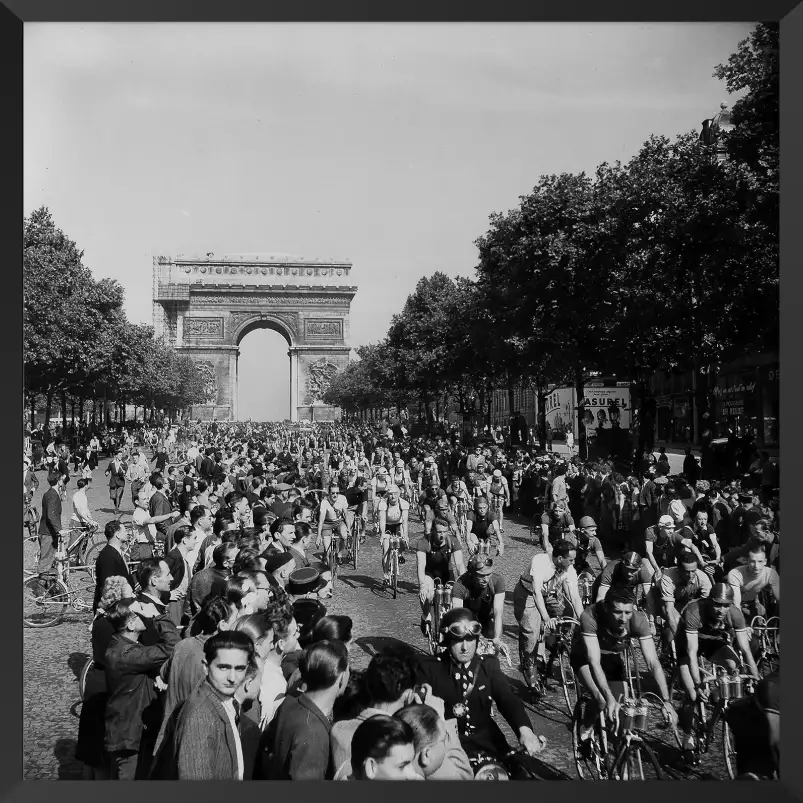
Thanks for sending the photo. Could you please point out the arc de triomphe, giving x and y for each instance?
(204, 306)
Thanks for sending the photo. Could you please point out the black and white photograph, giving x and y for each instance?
(401, 401)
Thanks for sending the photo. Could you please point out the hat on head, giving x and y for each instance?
(587, 521)
(282, 486)
(722, 592)
(480, 566)
(677, 509)
(631, 560)
(275, 560)
(687, 556)
(382, 470)
(497, 472)
(743, 497)
(304, 581)
(666, 521)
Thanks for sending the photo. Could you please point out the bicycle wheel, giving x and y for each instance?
(636, 762)
(394, 573)
(83, 676)
(43, 602)
(89, 542)
(567, 680)
(331, 558)
(729, 750)
(589, 763)
(91, 557)
(30, 554)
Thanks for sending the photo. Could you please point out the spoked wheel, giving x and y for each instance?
(90, 545)
(43, 601)
(30, 554)
(590, 763)
(355, 546)
(636, 762)
(394, 573)
(91, 557)
(729, 749)
(567, 681)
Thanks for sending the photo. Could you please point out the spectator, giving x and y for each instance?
(383, 750)
(206, 745)
(50, 524)
(130, 670)
(154, 579)
(300, 744)
(110, 561)
(223, 557)
(177, 561)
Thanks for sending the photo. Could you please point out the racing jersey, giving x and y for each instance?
(592, 623)
(701, 537)
(429, 476)
(438, 559)
(458, 490)
(748, 586)
(393, 513)
(355, 496)
(557, 523)
(711, 637)
(481, 526)
(482, 604)
(584, 546)
(334, 513)
(675, 589)
(664, 545)
(399, 478)
(380, 485)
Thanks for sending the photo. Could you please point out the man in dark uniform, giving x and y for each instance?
(470, 685)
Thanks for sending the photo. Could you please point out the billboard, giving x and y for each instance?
(607, 406)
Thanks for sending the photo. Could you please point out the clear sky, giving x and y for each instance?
(388, 145)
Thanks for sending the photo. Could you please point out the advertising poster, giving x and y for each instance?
(607, 407)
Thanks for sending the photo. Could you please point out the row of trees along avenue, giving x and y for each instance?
(78, 346)
(668, 261)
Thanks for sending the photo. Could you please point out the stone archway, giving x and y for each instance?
(204, 306)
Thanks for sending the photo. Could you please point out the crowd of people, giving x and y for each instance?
(214, 656)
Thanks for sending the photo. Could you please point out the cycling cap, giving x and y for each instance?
(400, 464)
(722, 592)
(687, 557)
(631, 560)
(382, 470)
(480, 566)
(666, 521)
(497, 473)
(587, 521)
(678, 509)
(393, 489)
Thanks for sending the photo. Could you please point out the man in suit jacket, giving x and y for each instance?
(206, 745)
(154, 579)
(50, 523)
(110, 562)
(116, 473)
(177, 562)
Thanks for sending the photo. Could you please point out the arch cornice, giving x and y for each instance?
(243, 322)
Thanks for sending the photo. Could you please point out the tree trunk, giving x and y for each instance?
(81, 408)
(489, 409)
(72, 413)
(579, 387)
(438, 409)
(511, 396)
(33, 411)
(63, 411)
(541, 397)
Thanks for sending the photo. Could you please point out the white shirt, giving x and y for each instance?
(80, 507)
(543, 569)
(142, 529)
(746, 586)
(228, 707)
(271, 693)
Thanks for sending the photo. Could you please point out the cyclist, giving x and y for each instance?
(605, 630)
(549, 590)
(748, 583)
(436, 505)
(400, 477)
(439, 556)
(457, 493)
(555, 522)
(357, 498)
(623, 573)
(471, 686)
(679, 586)
(482, 591)
(585, 541)
(331, 519)
(483, 528)
(498, 496)
(379, 488)
(711, 628)
(393, 521)
(428, 475)
(704, 537)
(475, 468)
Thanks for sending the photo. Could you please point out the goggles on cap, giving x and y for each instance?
(463, 630)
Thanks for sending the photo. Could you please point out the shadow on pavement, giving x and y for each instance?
(64, 752)
(76, 662)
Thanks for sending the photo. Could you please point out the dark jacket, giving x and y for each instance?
(201, 584)
(117, 478)
(50, 522)
(132, 704)
(150, 635)
(491, 686)
(159, 506)
(110, 563)
(203, 746)
(299, 743)
(178, 566)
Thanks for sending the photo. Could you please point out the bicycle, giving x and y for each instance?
(486, 647)
(767, 654)
(353, 541)
(393, 561)
(45, 600)
(616, 751)
(130, 550)
(722, 690)
(441, 603)
(78, 550)
(560, 650)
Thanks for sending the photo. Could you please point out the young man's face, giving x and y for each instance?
(226, 671)
(161, 581)
(756, 561)
(398, 765)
